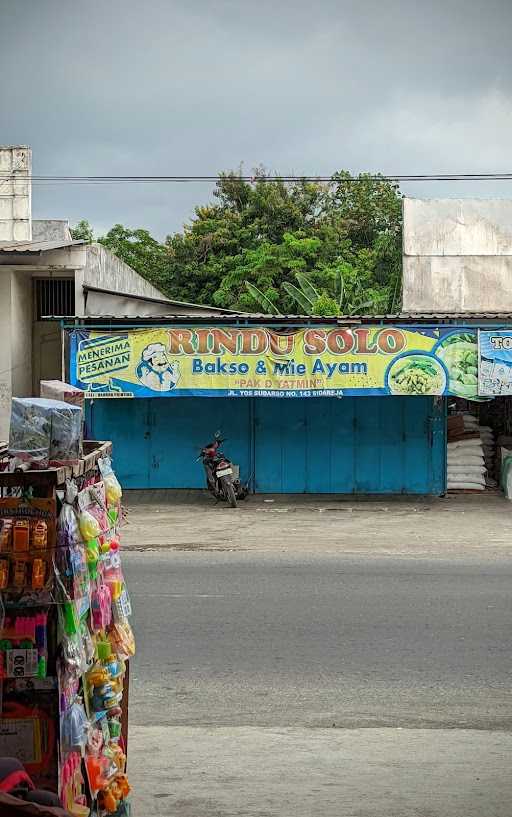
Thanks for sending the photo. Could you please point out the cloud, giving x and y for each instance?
(196, 86)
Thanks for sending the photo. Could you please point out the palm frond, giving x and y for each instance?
(299, 296)
(360, 305)
(262, 299)
(307, 287)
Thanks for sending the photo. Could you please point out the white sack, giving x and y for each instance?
(468, 461)
(469, 470)
(457, 486)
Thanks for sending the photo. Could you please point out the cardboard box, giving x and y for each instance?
(57, 390)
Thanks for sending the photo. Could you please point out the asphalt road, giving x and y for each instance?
(288, 663)
(230, 639)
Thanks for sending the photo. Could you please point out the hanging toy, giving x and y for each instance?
(89, 526)
(101, 608)
(110, 798)
(74, 727)
(92, 555)
(113, 490)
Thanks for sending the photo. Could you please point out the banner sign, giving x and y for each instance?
(262, 362)
(494, 362)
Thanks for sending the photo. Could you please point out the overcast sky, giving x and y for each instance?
(199, 86)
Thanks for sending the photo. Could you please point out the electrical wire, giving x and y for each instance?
(163, 179)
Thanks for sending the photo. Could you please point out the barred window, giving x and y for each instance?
(54, 296)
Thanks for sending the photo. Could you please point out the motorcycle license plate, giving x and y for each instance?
(222, 472)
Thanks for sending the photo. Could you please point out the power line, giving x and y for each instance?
(163, 179)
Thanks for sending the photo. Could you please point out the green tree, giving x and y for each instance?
(246, 248)
(82, 232)
(141, 252)
(267, 232)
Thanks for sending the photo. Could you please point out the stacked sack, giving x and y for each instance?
(466, 462)
(489, 449)
(470, 423)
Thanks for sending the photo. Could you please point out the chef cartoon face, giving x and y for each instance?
(155, 370)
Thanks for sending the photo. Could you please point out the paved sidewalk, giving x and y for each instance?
(471, 524)
(201, 772)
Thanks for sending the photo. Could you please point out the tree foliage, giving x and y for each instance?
(82, 232)
(137, 248)
(331, 247)
(140, 251)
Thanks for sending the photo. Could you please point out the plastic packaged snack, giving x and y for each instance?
(122, 639)
(21, 536)
(6, 535)
(40, 535)
(20, 573)
(38, 574)
(4, 574)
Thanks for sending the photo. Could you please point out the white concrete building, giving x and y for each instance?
(44, 272)
(457, 255)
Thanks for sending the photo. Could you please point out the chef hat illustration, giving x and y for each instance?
(153, 349)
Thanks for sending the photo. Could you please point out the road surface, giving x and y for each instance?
(320, 683)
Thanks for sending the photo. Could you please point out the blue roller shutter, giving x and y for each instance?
(367, 445)
(364, 445)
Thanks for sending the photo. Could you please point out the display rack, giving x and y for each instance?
(65, 639)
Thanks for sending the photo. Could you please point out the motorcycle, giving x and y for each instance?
(222, 476)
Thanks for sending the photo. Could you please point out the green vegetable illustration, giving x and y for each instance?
(417, 374)
(459, 352)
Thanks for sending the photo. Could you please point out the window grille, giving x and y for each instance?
(54, 296)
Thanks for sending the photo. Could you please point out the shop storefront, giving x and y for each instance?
(479, 452)
(306, 409)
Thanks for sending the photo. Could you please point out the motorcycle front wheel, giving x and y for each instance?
(229, 492)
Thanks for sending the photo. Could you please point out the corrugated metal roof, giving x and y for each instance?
(169, 301)
(455, 315)
(36, 246)
(404, 317)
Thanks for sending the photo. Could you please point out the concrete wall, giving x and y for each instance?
(15, 193)
(15, 342)
(457, 255)
(46, 353)
(21, 333)
(5, 354)
(50, 229)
